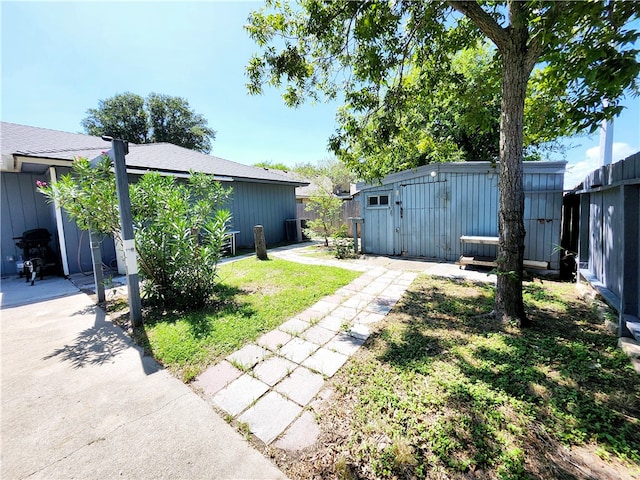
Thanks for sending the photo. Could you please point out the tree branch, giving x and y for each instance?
(537, 45)
(483, 21)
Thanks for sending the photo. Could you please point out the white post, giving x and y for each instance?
(62, 243)
(606, 139)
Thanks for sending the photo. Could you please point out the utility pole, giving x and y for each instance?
(119, 149)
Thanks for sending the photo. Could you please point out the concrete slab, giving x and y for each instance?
(274, 340)
(270, 416)
(247, 356)
(273, 369)
(318, 335)
(215, 378)
(303, 433)
(325, 361)
(345, 344)
(79, 400)
(239, 394)
(323, 307)
(298, 349)
(344, 313)
(15, 292)
(294, 326)
(301, 386)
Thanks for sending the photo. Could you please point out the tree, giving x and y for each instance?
(158, 118)
(584, 52)
(328, 209)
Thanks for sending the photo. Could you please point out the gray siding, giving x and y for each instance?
(263, 204)
(429, 213)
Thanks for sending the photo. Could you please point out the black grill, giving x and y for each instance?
(37, 253)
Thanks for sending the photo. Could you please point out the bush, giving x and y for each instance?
(343, 243)
(179, 227)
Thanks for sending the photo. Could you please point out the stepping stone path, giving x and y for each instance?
(269, 385)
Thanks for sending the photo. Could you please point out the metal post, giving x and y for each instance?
(118, 151)
(96, 259)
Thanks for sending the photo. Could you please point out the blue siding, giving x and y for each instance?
(263, 204)
(462, 199)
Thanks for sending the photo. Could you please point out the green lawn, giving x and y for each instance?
(443, 391)
(253, 297)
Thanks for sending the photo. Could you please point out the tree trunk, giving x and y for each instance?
(508, 303)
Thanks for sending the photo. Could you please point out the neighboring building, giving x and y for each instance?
(31, 154)
(424, 212)
(605, 227)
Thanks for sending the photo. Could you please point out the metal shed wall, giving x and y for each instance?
(431, 207)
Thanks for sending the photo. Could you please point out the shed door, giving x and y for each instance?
(423, 220)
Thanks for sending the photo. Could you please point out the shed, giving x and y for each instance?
(424, 212)
(31, 154)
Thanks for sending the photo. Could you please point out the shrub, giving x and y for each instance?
(179, 227)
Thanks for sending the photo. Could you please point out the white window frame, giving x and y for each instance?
(378, 196)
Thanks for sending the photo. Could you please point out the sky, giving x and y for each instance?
(58, 59)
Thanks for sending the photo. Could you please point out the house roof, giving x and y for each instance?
(25, 142)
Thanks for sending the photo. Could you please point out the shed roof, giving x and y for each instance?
(463, 167)
(42, 143)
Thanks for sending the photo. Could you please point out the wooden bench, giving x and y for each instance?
(488, 261)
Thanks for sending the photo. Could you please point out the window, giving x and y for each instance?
(377, 200)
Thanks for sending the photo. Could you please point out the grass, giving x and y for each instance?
(443, 391)
(252, 298)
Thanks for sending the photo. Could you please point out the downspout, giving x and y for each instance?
(62, 243)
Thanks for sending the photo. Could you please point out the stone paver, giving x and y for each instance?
(298, 350)
(301, 386)
(345, 344)
(217, 377)
(286, 369)
(274, 369)
(294, 326)
(239, 394)
(332, 323)
(325, 361)
(360, 331)
(274, 340)
(303, 433)
(319, 335)
(270, 416)
(247, 356)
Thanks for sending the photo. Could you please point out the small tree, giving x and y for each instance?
(179, 227)
(328, 208)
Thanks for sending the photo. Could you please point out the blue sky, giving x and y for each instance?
(60, 58)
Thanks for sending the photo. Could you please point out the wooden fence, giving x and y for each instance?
(350, 208)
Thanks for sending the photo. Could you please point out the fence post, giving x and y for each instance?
(261, 244)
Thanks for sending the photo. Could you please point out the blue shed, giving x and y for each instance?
(31, 154)
(450, 210)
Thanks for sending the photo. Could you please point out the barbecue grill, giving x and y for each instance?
(37, 254)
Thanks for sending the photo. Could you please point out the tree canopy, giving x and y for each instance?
(583, 52)
(158, 118)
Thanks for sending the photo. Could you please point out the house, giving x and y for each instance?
(449, 212)
(31, 154)
(603, 225)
